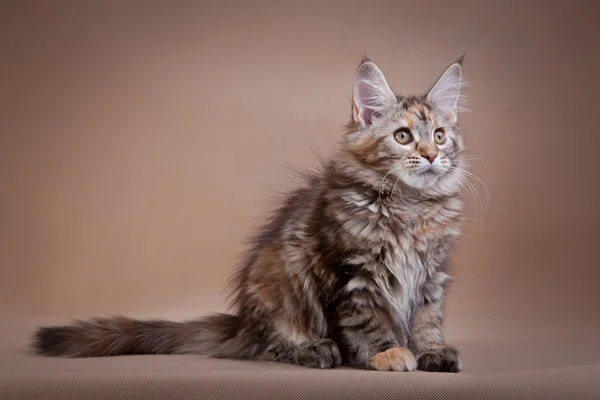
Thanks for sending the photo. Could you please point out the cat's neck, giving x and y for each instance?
(345, 175)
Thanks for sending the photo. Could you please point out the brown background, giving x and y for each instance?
(140, 143)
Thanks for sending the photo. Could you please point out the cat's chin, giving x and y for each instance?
(422, 180)
(434, 182)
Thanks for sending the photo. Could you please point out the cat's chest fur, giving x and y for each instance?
(404, 247)
(413, 253)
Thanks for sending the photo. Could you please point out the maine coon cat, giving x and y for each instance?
(351, 268)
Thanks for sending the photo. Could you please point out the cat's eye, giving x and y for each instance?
(439, 136)
(403, 136)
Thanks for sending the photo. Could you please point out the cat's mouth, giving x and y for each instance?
(427, 171)
(424, 176)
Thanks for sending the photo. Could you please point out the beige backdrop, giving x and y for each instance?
(140, 143)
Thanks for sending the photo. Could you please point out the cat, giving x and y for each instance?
(351, 268)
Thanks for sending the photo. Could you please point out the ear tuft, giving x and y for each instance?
(371, 93)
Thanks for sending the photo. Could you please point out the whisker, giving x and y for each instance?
(394, 187)
(480, 181)
(472, 191)
(479, 205)
(382, 180)
(472, 154)
(471, 158)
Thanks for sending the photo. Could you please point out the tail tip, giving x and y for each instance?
(50, 341)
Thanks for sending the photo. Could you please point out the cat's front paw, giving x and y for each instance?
(321, 354)
(445, 359)
(394, 359)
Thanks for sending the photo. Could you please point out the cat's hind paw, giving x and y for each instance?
(321, 354)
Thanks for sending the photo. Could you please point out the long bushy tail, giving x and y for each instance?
(101, 337)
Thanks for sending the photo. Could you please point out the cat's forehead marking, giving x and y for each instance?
(422, 110)
(415, 111)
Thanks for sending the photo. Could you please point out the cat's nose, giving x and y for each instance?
(429, 156)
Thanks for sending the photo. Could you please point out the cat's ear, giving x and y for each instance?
(445, 94)
(371, 93)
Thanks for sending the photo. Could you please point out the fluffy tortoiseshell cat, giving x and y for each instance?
(352, 268)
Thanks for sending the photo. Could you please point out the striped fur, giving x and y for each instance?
(351, 268)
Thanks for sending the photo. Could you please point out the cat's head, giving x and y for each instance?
(413, 139)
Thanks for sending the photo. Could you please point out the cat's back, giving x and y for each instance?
(291, 212)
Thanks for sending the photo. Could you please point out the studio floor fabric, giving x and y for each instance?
(546, 367)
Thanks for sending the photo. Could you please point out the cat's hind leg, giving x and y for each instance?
(319, 353)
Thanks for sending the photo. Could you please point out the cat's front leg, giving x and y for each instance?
(367, 332)
(427, 340)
